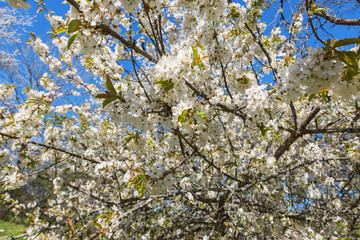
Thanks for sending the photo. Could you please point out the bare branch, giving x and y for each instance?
(293, 111)
(138, 77)
(338, 21)
(294, 136)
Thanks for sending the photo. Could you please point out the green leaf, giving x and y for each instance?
(128, 138)
(131, 136)
(107, 94)
(200, 114)
(121, 97)
(102, 95)
(96, 224)
(320, 10)
(31, 100)
(103, 215)
(195, 57)
(108, 100)
(263, 129)
(110, 86)
(74, 25)
(136, 181)
(111, 94)
(351, 73)
(195, 53)
(243, 80)
(166, 84)
(347, 41)
(324, 96)
(263, 132)
(60, 29)
(314, 7)
(72, 39)
(183, 116)
(350, 58)
(141, 189)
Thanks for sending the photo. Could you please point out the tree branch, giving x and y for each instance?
(338, 21)
(293, 111)
(51, 147)
(334, 130)
(295, 135)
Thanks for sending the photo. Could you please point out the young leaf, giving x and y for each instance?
(347, 41)
(102, 96)
(166, 84)
(31, 100)
(195, 56)
(96, 224)
(200, 114)
(323, 95)
(110, 86)
(350, 58)
(108, 100)
(320, 10)
(121, 97)
(74, 25)
(60, 29)
(111, 94)
(351, 73)
(72, 39)
(141, 189)
(102, 215)
(183, 116)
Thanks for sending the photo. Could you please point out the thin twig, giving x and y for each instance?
(293, 111)
(138, 78)
(51, 147)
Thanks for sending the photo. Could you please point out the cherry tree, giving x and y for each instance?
(203, 120)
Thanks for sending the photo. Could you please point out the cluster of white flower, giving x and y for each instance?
(161, 185)
(6, 91)
(12, 178)
(155, 171)
(312, 74)
(55, 21)
(257, 101)
(40, 48)
(48, 84)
